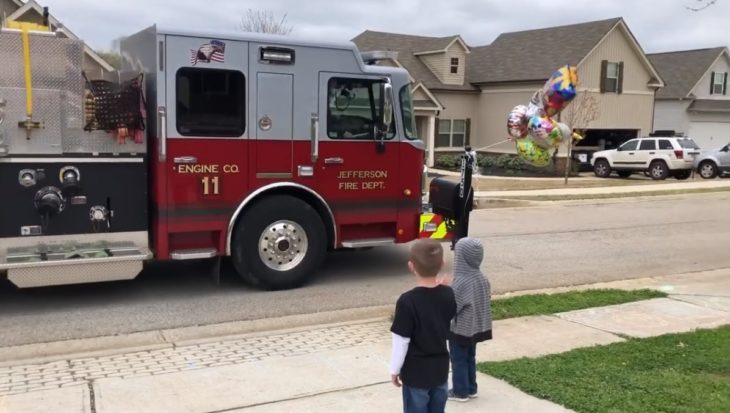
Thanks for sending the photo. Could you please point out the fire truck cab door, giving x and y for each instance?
(359, 179)
(207, 136)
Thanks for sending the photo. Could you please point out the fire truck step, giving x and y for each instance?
(194, 254)
(366, 243)
(74, 267)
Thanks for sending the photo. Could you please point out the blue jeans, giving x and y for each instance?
(433, 400)
(463, 368)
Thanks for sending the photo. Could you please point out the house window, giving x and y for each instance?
(612, 77)
(719, 83)
(210, 102)
(452, 133)
(454, 65)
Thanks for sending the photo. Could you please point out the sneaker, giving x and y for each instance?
(454, 397)
(473, 396)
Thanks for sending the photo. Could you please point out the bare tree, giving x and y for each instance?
(264, 21)
(701, 5)
(578, 116)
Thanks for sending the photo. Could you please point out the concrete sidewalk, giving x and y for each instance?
(342, 367)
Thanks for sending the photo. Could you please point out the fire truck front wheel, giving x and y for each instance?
(280, 243)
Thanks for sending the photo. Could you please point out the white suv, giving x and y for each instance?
(660, 157)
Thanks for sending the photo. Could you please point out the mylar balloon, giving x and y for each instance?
(539, 128)
(517, 122)
(532, 153)
(559, 90)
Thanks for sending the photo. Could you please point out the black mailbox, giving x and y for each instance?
(444, 198)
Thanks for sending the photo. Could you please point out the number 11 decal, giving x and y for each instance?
(207, 183)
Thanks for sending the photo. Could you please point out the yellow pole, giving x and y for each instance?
(28, 74)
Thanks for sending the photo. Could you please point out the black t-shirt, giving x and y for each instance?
(424, 314)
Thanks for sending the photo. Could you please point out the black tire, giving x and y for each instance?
(624, 174)
(707, 170)
(602, 168)
(683, 174)
(658, 170)
(291, 217)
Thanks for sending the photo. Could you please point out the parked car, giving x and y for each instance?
(660, 157)
(713, 162)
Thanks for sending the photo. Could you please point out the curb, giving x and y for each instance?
(40, 353)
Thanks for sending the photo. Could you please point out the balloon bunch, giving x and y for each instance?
(535, 133)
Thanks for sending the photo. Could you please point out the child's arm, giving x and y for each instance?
(398, 357)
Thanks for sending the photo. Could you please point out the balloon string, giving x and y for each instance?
(492, 145)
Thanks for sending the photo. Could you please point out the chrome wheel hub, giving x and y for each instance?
(283, 245)
(707, 170)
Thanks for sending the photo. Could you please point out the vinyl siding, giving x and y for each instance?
(615, 47)
(455, 78)
(437, 63)
(490, 121)
(625, 111)
(702, 90)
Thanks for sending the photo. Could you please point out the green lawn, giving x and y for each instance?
(537, 304)
(672, 373)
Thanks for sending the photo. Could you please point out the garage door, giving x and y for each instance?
(709, 135)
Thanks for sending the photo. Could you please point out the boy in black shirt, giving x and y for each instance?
(420, 359)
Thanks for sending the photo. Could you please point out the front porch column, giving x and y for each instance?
(430, 141)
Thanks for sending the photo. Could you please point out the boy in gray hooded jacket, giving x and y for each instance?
(473, 321)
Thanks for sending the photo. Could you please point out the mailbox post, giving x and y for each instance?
(466, 193)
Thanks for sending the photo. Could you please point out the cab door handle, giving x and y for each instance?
(652, 153)
(334, 161)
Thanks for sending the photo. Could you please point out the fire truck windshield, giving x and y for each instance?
(406, 106)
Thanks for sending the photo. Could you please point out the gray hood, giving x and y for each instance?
(468, 256)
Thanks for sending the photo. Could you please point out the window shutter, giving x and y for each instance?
(620, 87)
(712, 82)
(604, 73)
(435, 132)
(467, 137)
(724, 85)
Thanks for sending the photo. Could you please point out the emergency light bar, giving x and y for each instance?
(276, 55)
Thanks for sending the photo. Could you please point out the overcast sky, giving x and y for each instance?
(659, 25)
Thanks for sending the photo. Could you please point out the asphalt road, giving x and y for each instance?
(526, 248)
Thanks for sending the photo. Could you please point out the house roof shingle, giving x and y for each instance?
(682, 70)
(507, 59)
(406, 46)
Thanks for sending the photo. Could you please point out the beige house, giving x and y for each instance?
(95, 66)
(470, 90)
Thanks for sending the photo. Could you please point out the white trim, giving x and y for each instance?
(446, 49)
(709, 69)
(415, 108)
(636, 46)
(428, 93)
(31, 4)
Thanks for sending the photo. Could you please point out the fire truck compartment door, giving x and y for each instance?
(274, 111)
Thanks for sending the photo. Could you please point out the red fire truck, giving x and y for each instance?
(266, 149)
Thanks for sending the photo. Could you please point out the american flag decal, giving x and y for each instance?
(215, 51)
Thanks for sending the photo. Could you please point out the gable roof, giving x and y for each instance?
(533, 55)
(408, 47)
(682, 70)
(34, 6)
